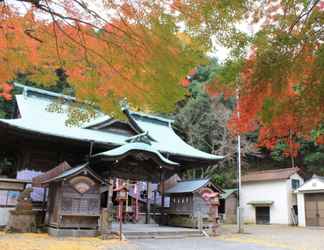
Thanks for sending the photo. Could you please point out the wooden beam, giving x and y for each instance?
(162, 179)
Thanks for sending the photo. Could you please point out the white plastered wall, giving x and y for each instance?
(275, 191)
(292, 197)
(301, 209)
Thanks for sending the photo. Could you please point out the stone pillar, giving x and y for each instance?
(212, 199)
(148, 204)
(213, 216)
(106, 217)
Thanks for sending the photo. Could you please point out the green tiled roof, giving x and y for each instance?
(228, 192)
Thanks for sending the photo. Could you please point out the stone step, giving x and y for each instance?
(146, 237)
(163, 235)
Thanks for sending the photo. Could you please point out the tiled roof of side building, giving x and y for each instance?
(228, 192)
(269, 175)
(189, 186)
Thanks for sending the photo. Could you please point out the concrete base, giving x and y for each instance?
(63, 232)
(153, 231)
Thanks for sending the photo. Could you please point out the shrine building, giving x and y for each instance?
(38, 138)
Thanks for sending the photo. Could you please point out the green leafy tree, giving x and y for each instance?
(310, 157)
(203, 122)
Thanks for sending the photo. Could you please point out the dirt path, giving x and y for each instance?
(32, 241)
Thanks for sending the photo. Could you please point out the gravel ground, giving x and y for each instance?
(255, 238)
(286, 237)
(195, 244)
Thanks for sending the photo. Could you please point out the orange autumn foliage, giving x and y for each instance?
(134, 55)
(5, 91)
(283, 111)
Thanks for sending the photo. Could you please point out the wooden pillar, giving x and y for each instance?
(44, 206)
(148, 204)
(154, 207)
(136, 202)
(162, 220)
(26, 159)
(126, 203)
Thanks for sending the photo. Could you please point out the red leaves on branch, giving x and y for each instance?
(320, 140)
(185, 82)
(5, 91)
(284, 110)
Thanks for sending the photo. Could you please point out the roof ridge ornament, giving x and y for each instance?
(124, 104)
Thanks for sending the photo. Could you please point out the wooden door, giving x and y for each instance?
(262, 215)
(314, 209)
(320, 209)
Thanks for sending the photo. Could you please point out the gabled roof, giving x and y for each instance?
(270, 175)
(54, 172)
(316, 183)
(128, 148)
(190, 186)
(69, 173)
(35, 117)
(167, 140)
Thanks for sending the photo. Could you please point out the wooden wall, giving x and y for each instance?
(68, 208)
(53, 204)
(181, 204)
(84, 204)
(200, 206)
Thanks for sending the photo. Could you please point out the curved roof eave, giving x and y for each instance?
(128, 148)
(161, 131)
(14, 124)
(38, 120)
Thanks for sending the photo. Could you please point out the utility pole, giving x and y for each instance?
(239, 208)
(291, 150)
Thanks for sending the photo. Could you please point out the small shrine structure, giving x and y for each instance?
(189, 204)
(73, 200)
